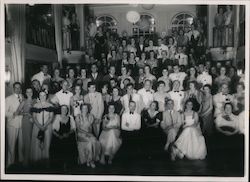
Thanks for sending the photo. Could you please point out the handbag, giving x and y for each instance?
(40, 135)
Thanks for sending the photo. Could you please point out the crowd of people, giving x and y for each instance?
(128, 96)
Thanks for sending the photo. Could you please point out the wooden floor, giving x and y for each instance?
(217, 163)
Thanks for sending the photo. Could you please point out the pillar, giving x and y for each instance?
(79, 8)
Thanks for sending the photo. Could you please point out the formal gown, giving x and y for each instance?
(40, 142)
(118, 105)
(190, 142)
(153, 138)
(110, 139)
(27, 125)
(63, 150)
(207, 117)
(89, 147)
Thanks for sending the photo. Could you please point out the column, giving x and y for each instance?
(80, 15)
(212, 10)
(236, 32)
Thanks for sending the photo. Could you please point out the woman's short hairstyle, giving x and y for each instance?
(230, 104)
(88, 106)
(189, 100)
(66, 107)
(156, 103)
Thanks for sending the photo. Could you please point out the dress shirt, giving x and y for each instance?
(62, 97)
(136, 98)
(182, 59)
(133, 119)
(12, 103)
(40, 77)
(204, 78)
(147, 96)
(219, 101)
(195, 33)
(178, 76)
(177, 97)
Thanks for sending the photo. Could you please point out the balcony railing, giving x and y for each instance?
(223, 36)
(41, 36)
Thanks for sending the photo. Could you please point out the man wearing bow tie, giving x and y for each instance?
(221, 98)
(13, 124)
(204, 78)
(177, 75)
(147, 93)
(177, 96)
(63, 96)
(42, 75)
(95, 99)
(95, 76)
(132, 96)
(131, 125)
(161, 47)
(171, 122)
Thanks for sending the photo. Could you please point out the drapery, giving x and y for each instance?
(57, 10)
(17, 22)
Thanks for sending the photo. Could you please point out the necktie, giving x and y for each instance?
(65, 92)
(170, 112)
(131, 112)
(176, 91)
(130, 98)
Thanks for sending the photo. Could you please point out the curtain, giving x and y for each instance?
(80, 16)
(57, 10)
(17, 22)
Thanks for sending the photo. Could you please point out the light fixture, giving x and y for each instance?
(133, 16)
(148, 6)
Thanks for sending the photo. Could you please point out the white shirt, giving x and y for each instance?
(178, 76)
(177, 97)
(147, 96)
(219, 101)
(195, 33)
(133, 121)
(183, 59)
(136, 98)
(40, 77)
(161, 48)
(62, 98)
(204, 78)
(11, 105)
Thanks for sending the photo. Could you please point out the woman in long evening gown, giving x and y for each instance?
(110, 136)
(151, 130)
(76, 101)
(206, 113)
(89, 147)
(190, 143)
(63, 143)
(27, 123)
(42, 130)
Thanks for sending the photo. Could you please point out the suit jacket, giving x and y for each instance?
(96, 102)
(139, 50)
(171, 122)
(97, 80)
(11, 105)
(107, 78)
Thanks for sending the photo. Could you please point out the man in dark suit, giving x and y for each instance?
(164, 62)
(140, 46)
(95, 76)
(111, 74)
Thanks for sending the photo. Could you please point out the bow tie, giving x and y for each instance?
(131, 112)
(224, 94)
(176, 91)
(65, 92)
(148, 90)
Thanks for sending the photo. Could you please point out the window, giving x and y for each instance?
(145, 26)
(182, 20)
(108, 22)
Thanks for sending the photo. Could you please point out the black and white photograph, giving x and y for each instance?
(125, 91)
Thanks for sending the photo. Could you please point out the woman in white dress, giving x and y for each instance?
(190, 143)
(89, 147)
(76, 101)
(110, 136)
(42, 129)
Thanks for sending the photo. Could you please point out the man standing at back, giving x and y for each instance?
(13, 124)
(42, 76)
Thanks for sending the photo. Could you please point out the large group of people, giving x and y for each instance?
(128, 96)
